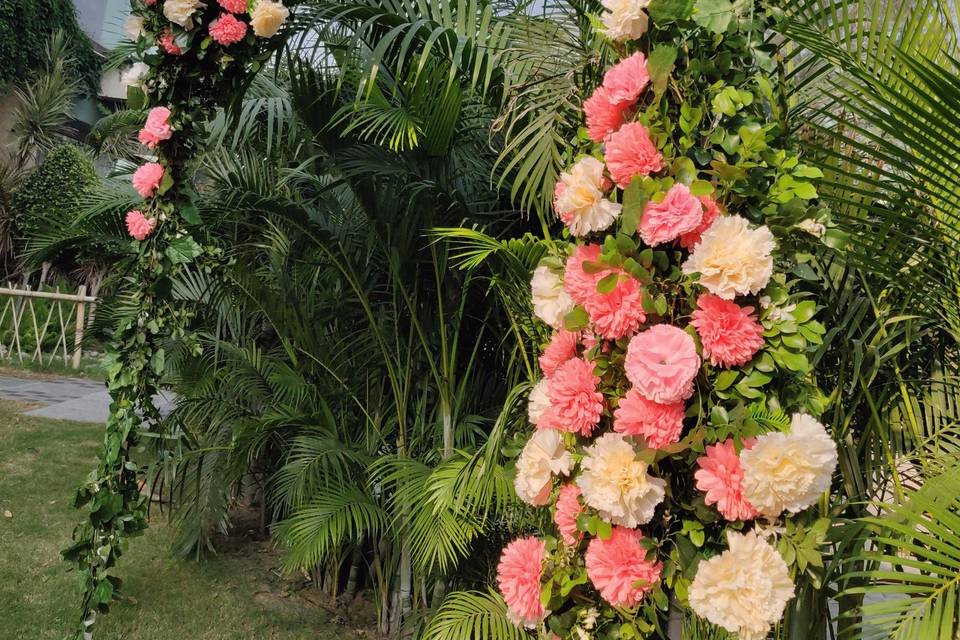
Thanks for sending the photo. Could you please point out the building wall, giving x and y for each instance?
(103, 20)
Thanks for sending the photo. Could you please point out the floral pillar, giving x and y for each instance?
(192, 57)
(673, 436)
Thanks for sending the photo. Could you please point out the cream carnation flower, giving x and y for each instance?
(133, 76)
(181, 11)
(543, 457)
(134, 27)
(744, 589)
(580, 202)
(732, 259)
(625, 19)
(268, 17)
(812, 227)
(615, 482)
(789, 471)
(550, 302)
(538, 402)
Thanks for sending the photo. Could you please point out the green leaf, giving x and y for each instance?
(725, 379)
(701, 188)
(190, 214)
(663, 11)
(713, 15)
(136, 98)
(183, 250)
(660, 66)
(576, 320)
(608, 283)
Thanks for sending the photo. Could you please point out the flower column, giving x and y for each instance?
(193, 56)
(672, 437)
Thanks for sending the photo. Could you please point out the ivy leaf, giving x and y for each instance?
(660, 66)
(183, 250)
(713, 15)
(670, 10)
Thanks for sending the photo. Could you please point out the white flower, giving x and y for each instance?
(744, 589)
(789, 471)
(268, 17)
(550, 302)
(812, 227)
(134, 27)
(588, 617)
(133, 76)
(580, 200)
(181, 11)
(543, 457)
(538, 402)
(731, 258)
(615, 482)
(625, 19)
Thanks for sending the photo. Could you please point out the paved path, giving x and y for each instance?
(74, 399)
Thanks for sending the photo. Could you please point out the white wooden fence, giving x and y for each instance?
(23, 312)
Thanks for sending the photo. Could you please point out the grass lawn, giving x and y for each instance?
(236, 595)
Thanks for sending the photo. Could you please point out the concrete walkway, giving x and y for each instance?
(74, 399)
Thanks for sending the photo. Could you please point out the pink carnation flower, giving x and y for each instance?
(618, 567)
(562, 347)
(627, 79)
(150, 3)
(227, 30)
(518, 576)
(630, 152)
(138, 225)
(579, 284)
(618, 313)
(575, 402)
(662, 363)
(604, 116)
(711, 210)
(659, 424)
(169, 44)
(157, 127)
(679, 212)
(568, 510)
(730, 334)
(234, 6)
(147, 178)
(720, 476)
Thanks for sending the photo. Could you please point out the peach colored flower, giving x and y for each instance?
(543, 457)
(627, 79)
(730, 334)
(562, 347)
(227, 29)
(620, 569)
(630, 152)
(679, 212)
(181, 12)
(732, 259)
(580, 201)
(618, 313)
(604, 116)
(146, 179)
(615, 482)
(568, 510)
(577, 282)
(625, 19)
(169, 44)
(157, 127)
(710, 212)
(720, 476)
(575, 402)
(138, 225)
(662, 363)
(268, 17)
(550, 302)
(518, 576)
(234, 6)
(659, 424)
(538, 401)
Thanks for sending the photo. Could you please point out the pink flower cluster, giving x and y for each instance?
(614, 314)
(720, 476)
(227, 29)
(157, 128)
(518, 576)
(730, 334)
(234, 6)
(610, 104)
(146, 179)
(139, 226)
(169, 44)
(618, 567)
(575, 401)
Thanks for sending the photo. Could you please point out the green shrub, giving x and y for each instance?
(50, 196)
(25, 27)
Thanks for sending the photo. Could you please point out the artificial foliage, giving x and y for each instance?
(182, 83)
(25, 28)
(666, 355)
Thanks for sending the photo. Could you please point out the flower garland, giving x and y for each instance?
(664, 442)
(192, 57)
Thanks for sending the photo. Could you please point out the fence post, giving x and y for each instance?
(78, 334)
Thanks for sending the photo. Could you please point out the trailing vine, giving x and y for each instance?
(195, 57)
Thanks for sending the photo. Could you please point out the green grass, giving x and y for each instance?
(235, 595)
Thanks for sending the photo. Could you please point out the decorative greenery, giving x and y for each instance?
(25, 27)
(50, 195)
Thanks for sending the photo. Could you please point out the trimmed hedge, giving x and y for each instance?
(49, 197)
(25, 27)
